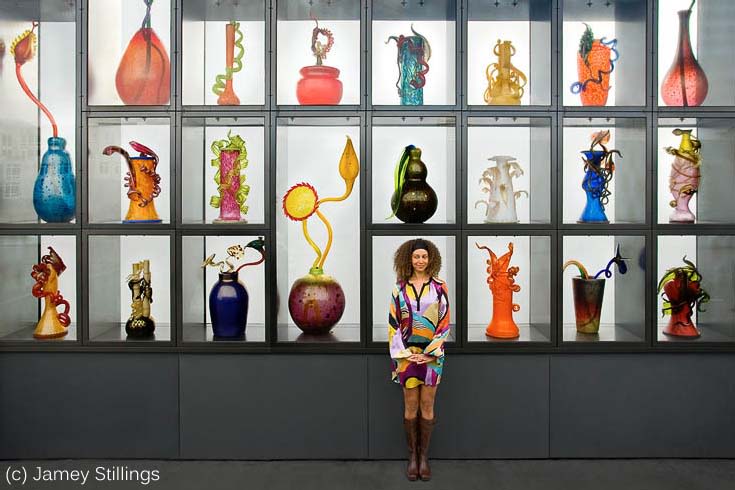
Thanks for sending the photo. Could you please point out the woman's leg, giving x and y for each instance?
(411, 426)
(426, 426)
(410, 402)
(426, 401)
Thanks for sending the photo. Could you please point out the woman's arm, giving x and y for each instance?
(436, 346)
(395, 340)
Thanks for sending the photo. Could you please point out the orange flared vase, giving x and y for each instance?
(501, 280)
(144, 74)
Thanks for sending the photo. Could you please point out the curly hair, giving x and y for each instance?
(402, 260)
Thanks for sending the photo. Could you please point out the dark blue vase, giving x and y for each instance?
(228, 307)
(594, 185)
(54, 193)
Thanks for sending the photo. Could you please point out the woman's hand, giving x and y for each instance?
(421, 358)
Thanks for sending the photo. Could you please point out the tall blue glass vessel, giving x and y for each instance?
(410, 54)
(54, 193)
(594, 185)
(228, 307)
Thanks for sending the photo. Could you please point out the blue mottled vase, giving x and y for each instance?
(593, 185)
(54, 193)
(228, 307)
(409, 55)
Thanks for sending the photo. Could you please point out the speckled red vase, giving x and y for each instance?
(316, 303)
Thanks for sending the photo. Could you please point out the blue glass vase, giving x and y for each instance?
(594, 185)
(54, 193)
(410, 54)
(228, 307)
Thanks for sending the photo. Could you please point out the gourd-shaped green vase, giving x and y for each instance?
(413, 200)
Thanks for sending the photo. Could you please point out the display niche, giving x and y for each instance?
(223, 170)
(508, 170)
(414, 168)
(130, 284)
(129, 52)
(317, 229)
(695, 289)
(40, 300)
(223, 53)
(129, 170)
(604, 171)
(224, 292)
(508, 284)
(693, 184)
(384, 278)
(508, 53)
(413, 52)
(319, 56)
(603, 288)
(603, 53)
(38, 162)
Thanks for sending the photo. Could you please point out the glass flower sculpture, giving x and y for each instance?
(682, 291)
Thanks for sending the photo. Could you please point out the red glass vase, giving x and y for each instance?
(144, 74)
(685, 84)
(319, 85)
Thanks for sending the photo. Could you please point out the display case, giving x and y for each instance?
(422, 195)
(318, 300)
(128, 52)
(413, 53)
(39, 118)
(321, 41)
(517, 73)
(224, 170)
(600, 185)
(130, 284)
(40, 293)
(509, 170)
(509, 293)
(693, 49)
(696, 292)
(224, 290)
(383, 279)
(603, 53)
(129, 177)
(224, 47)
(694, 171)
(603, 282)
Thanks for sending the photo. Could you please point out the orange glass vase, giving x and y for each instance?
(501, 279)
(595, 62)
(144, 73)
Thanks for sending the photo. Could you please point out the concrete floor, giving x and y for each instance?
(386, 475)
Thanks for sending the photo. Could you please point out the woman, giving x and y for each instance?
(418, 326)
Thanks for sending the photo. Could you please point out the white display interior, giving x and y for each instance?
(204, 57)
(311, 154)
(481, 40)
(484, 142)
(112, 23)
(438, 152)
(479, 296)
(66, 248)
(572, 33)
(384, 277)
(294, 48)
(440, 80)
(156, 249)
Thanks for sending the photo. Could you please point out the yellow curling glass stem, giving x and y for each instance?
(311, 242)
(329, 237)
(582, 269)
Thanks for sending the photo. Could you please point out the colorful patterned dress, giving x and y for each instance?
(418, 323)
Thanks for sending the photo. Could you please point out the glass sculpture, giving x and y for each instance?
(589, 291)
(222, 87)
(46, 274)
(682, 291)
(414, 53)
(413, 199)
(685, 174)
(319, 84)
(54, 192)
(229, 299)
(501, 280)
(316, 301)
(595, 62)
(231, 158)
(497, 183)
(505, 81)
(141, 323)
(598, 172)
(142, 181)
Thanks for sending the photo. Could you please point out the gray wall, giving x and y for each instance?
(315, 406)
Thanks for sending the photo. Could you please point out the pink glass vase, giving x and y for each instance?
(685, 84)
(229, 209)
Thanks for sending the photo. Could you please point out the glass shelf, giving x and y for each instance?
(21, 309)
(198, 174)
(300, 160)
(111, 262)
(529, 141)
(619, 300)
(532, 256)
(527, 24)
(205, 47)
